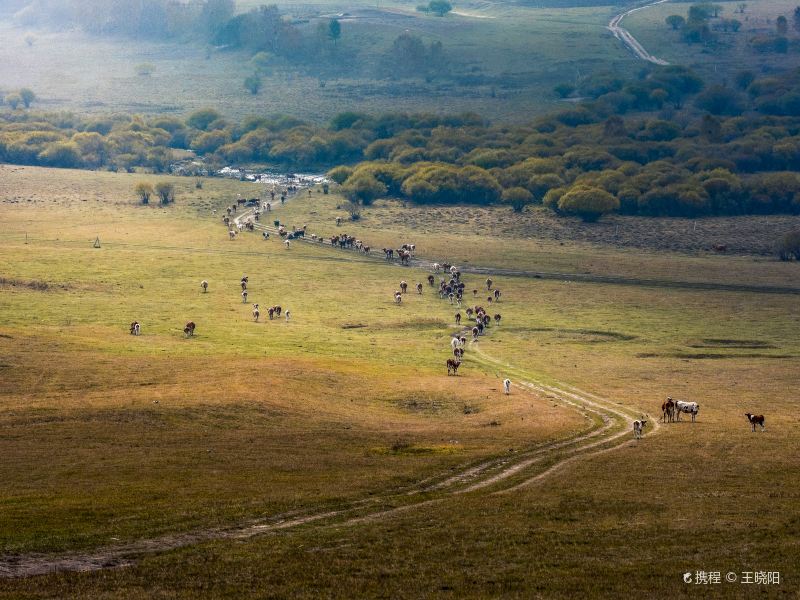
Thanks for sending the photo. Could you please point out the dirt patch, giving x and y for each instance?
(720, 343)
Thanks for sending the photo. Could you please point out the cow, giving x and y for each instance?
(243, 283)
(452, 365)
(755, 420)
(488, 283)
(278, 310)
(458, 318)
(638, 426)
(668, 410)
(455, 343)
(271, 312)
(507, 386)
(204, 285)
(232, 235)
(497, 318)
(719, 248)
(288, 243)
(135, 328)
(398, 297)
(244, 296)
(474, 333)
(436, 267)
(497, 295)
(419, 288)
(188, 329)
(430, 280)
(403, 287)
(458, 352)
(288, 314)
(690, 408)
(265, 235)
(256, 313)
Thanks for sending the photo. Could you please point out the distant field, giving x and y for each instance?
(733, 53)
(110, 439)
(512, 59)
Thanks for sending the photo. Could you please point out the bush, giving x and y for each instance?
(789, 246)
(589, 203)
(166, 192)
(340, 174)
(517, 198)
(253, 84)
(144, 190)
(363, 187)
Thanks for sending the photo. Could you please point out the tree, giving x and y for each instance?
(27, 96)
(789, 246)
(781, 25)
(675, 21)
(253, 83)
(340, 174)
(13, 100)
(563, 90)
(165, 191)
(144, 189)
(440, 7)
(353, 209)
(363, 187)
(589, 203)
(334, 30)
(517, 198)
(202, 118)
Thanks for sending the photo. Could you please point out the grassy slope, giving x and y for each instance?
(75, 72)
(734, 52)
(601, 528)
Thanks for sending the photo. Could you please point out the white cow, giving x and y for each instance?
(455, 343)
(507, 386)
(638, 426)
(690, 408)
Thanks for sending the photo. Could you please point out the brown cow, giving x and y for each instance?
(755, 420)
(452, 365)
(668, 410)
(419, 288)
(458, 318)
(188, 330)
(497, 318)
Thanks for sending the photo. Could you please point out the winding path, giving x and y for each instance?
(623, 35)
(608, 426)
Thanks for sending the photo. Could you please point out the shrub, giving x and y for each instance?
(589, 203)
(789, 246)
(363, 187)
(517, 198)
(165, 191)
(144, 190)
(340, 174)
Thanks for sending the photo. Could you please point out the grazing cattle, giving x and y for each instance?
(450, 297)
(497, 318)
(244, 296)
(480, 328)
(462, 341)
(243, 283)
(719, 248)
(497, 295)
(690, 408)
(455, 343)
(486, 320)
(338, 221)
(256, 313)
(755, 420)
(403, 287)
(507, 386)
(430, 280)
(288, 243)
(188, 329)
(278, 310)
(458, 352)
(398, 297)
(488, 283)
(458, 318)
(436, 267)
(288, 314)
(489, 299)
(135, 328)
(232, 235)
(469, 313)
(452, 365)
(265, 235)
(474, 333)
(271, 312)
(668, 410)
(245, 278)
(638, 426)
(419, 288)
(204, 285)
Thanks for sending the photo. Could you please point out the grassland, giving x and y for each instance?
(255, 420)
(511, 61)
(732, 53)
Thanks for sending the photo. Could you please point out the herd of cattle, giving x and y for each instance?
(189, 328)
(451, 287)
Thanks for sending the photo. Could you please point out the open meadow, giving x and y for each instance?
(330, 454)
(503, 60)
